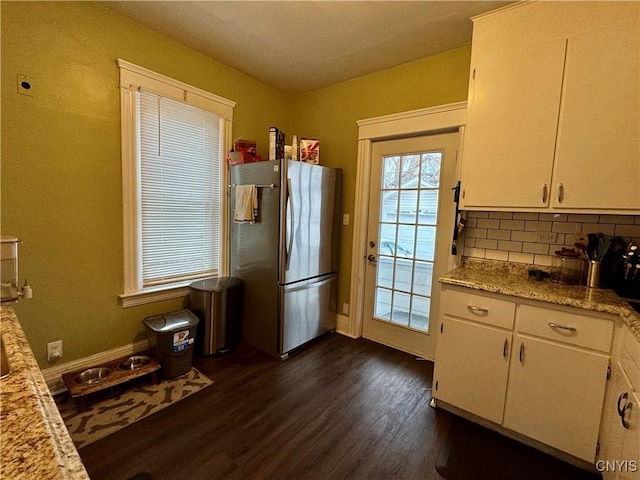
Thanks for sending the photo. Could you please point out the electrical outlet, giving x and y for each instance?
(345, 309)
(54, 350)
(345, 219)
(547, 237)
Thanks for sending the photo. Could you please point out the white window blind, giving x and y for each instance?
(179, 150)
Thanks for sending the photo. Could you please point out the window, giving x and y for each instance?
(173, 141)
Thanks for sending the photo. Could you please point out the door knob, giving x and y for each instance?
(372, 243)
(371, 258)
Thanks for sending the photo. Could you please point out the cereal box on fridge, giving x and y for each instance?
(310, 150)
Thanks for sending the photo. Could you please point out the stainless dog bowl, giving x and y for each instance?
(135, 362)
(92, 375)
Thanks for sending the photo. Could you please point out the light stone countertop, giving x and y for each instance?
(34, 441)
(512, 279)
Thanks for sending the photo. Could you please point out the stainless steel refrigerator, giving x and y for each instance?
(287, 259)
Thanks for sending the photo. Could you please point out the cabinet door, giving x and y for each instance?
(471, 367)
(611, 430)
(512, 120)
(555, 395)
(631, 440)
(599, 131)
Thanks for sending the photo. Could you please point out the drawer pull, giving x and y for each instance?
(563, 327)
(505, 348)
(521, 356)
(479, 310)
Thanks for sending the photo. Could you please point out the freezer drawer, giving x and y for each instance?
(308, 310)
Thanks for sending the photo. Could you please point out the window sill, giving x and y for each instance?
(154, 295)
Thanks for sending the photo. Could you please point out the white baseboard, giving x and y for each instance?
(53, 375)
(343, 326)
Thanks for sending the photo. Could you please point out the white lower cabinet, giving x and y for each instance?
(474, 375)
(619, 457)
(555, 395)
(532, 369)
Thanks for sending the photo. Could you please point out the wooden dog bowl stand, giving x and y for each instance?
(116, 377)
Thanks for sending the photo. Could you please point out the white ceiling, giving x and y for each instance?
(297, 46)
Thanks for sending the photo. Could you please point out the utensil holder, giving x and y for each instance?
(593, 274)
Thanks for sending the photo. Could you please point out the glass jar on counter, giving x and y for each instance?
(566, 267)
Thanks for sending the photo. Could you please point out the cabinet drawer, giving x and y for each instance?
(487, 310)
(566, 327)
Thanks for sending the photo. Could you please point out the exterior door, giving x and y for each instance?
(410, 228)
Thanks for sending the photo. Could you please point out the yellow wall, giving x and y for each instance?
(61, 166)
(331, 113)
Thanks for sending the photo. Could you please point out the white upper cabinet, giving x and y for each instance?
(554, 107)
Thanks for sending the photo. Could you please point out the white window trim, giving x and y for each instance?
(132, 78)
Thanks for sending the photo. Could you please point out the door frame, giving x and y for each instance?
(441, 119)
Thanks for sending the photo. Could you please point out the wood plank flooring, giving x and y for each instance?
(337, 409)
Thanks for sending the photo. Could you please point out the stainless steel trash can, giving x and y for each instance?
(172, 338)
(217, 302)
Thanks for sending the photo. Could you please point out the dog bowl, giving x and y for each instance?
(92, 375)
(135, 362)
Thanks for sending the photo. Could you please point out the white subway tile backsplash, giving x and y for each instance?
(619, 219)
(538, 226)
(581, 218)
(566, 227)
(512, 224)
(501, 215)
(488, 223)
(524, 236)
(510, 246)
(526, 216)
(607, 229)
(476, 232)
(486, 243)
(521, 257)
(497, 255)
(625, 231)
(500, 234)
(553, 217)
(513, 236)
(537, 248)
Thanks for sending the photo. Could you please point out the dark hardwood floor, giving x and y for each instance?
(337, 409)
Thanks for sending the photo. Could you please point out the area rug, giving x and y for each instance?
(472, 452)
(106, 412)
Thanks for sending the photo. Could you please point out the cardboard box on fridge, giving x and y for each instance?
(244, 151)
(310, 150)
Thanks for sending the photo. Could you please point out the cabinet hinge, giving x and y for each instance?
(608, 372)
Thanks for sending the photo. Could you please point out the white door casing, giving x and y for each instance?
(446, 118)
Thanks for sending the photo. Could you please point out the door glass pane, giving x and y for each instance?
(383, 304)
(385, 272)
(406, 238)
(400, 310)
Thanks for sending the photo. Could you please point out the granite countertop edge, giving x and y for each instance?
(512, 279)
(35, 441)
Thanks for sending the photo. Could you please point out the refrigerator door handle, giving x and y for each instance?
(290, 211)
